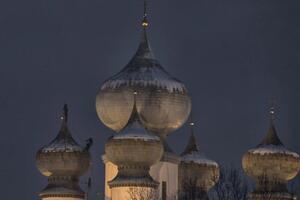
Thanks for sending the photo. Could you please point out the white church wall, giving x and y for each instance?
(166, 172)
(111, 171)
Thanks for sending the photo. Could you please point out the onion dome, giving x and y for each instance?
(271, 164)
(195, 166)
(134, 150)
(163, 102)
(63, 161)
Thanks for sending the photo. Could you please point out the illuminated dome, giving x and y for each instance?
(63, 161)
(134, 151)
(163, 102)
(195, 166)
(271, 164)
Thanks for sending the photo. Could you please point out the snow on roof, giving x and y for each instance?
(62, 146)
(134, 129)
(272, 149)
(64, 142)
(137, 132)
(144, 76)
(144, 70)
(198, 158)
(136, 136)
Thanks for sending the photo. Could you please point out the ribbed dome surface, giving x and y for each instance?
(271, 160)
(134, 145)
(134, 150)
(162, 102)
(63, 142)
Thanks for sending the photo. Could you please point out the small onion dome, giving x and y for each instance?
(134, 150)
(163, 100)
(270, 162)
(63, 156)
(195, 165)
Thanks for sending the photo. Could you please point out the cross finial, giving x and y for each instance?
(145, 22)
(272, 110)
(192, 145)
(135, 93)
(271, 137)
(64, 116)
(191, 123)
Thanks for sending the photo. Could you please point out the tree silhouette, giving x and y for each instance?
(192, 191)
(142, 193)
(232, 185)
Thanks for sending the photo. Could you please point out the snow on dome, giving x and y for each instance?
(148, 74)
(144, 70)
(68, 145)
(64, 141)
(136, 136)
(135, 130)
(163, 100)
(191, 154)
(273, 149)
(198, 158)
(271, 144)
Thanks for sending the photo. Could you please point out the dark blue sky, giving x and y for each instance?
(233, 56)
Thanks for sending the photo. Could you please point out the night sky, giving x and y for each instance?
(234, 56)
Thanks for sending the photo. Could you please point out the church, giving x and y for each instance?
(143, 104)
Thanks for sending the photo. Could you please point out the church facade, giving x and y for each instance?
(143, 104)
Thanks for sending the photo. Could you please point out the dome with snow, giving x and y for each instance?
(63, 160)
(163, 102)
(134, 150)
(63, 155)
(195, 166)
(271, 163)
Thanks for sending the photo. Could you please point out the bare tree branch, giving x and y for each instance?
(142, 193)
(232, 185)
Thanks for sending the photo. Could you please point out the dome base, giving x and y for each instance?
(271, 196)
(133, 176)
(62, 186)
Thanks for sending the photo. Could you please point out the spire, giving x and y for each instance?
(134, 127)
(65, 113)
(64, 133)
(271, 137)
(192, 145)
(145, 22)
(144, 50)
(64, 117)
(134, 114)
(64, 140)
(272, 112)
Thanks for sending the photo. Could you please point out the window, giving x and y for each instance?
(164, 190)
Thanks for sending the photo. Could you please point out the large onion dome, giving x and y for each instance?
(196, 168)
(163, 102)
(271, 164)
(63, 161)
(134, 150)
